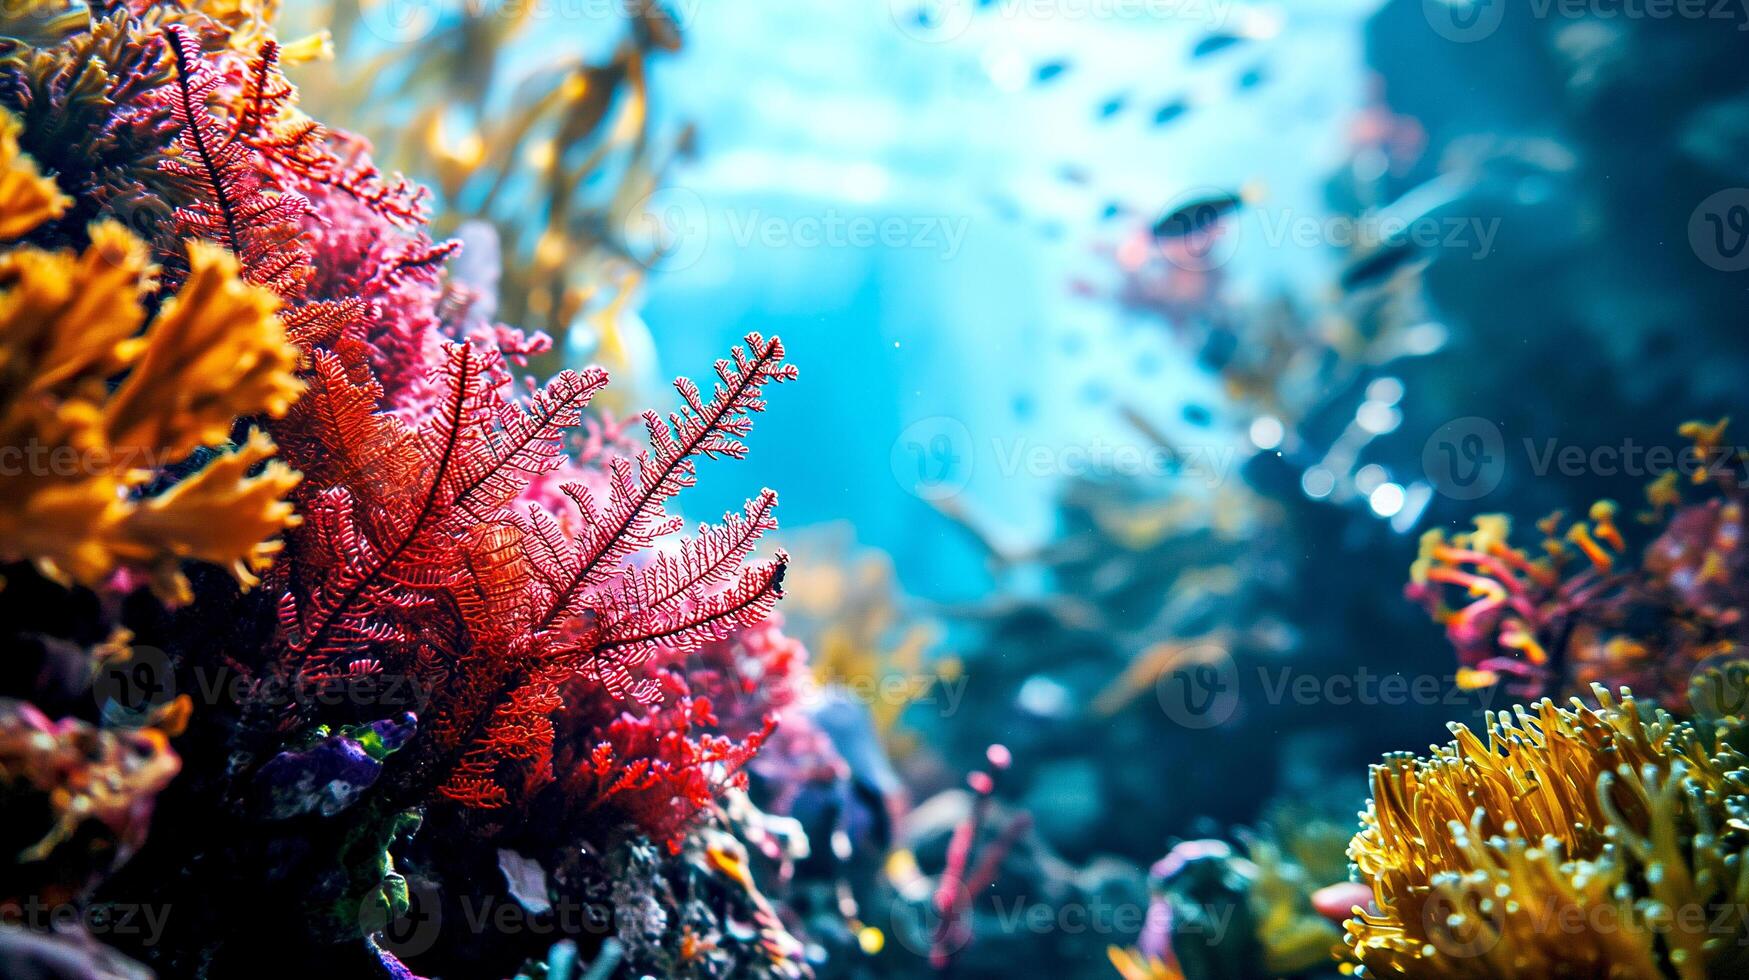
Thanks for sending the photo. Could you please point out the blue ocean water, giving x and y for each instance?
(945, 343)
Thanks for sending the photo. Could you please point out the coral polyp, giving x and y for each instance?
(1590, 840)
(1591, 608)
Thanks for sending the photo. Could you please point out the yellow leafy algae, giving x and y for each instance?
(217, 351)
(27, 198)
(92, 406)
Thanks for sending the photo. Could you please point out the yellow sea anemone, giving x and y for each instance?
(1582, 841)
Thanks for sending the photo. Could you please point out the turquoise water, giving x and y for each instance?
(957, 320)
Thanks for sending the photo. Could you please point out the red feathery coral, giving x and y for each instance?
(269, 121)
(413, 554)
(253, 176)
(594, 616)
(405, 498)
(228, 202)
(655, 767)
(658, 765)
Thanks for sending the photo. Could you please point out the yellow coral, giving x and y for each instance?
(1293, 936)
(217, 351)
(220, 514)
(70, 321)
(1572, 842)
(1132, 965)
(1709, 445)
(72, 452)
(27, 198)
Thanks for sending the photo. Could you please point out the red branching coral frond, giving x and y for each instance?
(340, 439)
(229, 204)
(320, 323)
(703, 562)
(420, 550)
(418, 260)
(634, 518)
(380, 541)
(468, 458)
(477, 791)
(641, 630)
(660, 768)
(603, 621)
(269, 121)
(518, 442)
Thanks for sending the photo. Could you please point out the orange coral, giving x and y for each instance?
(75, 453)
(27, 198)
